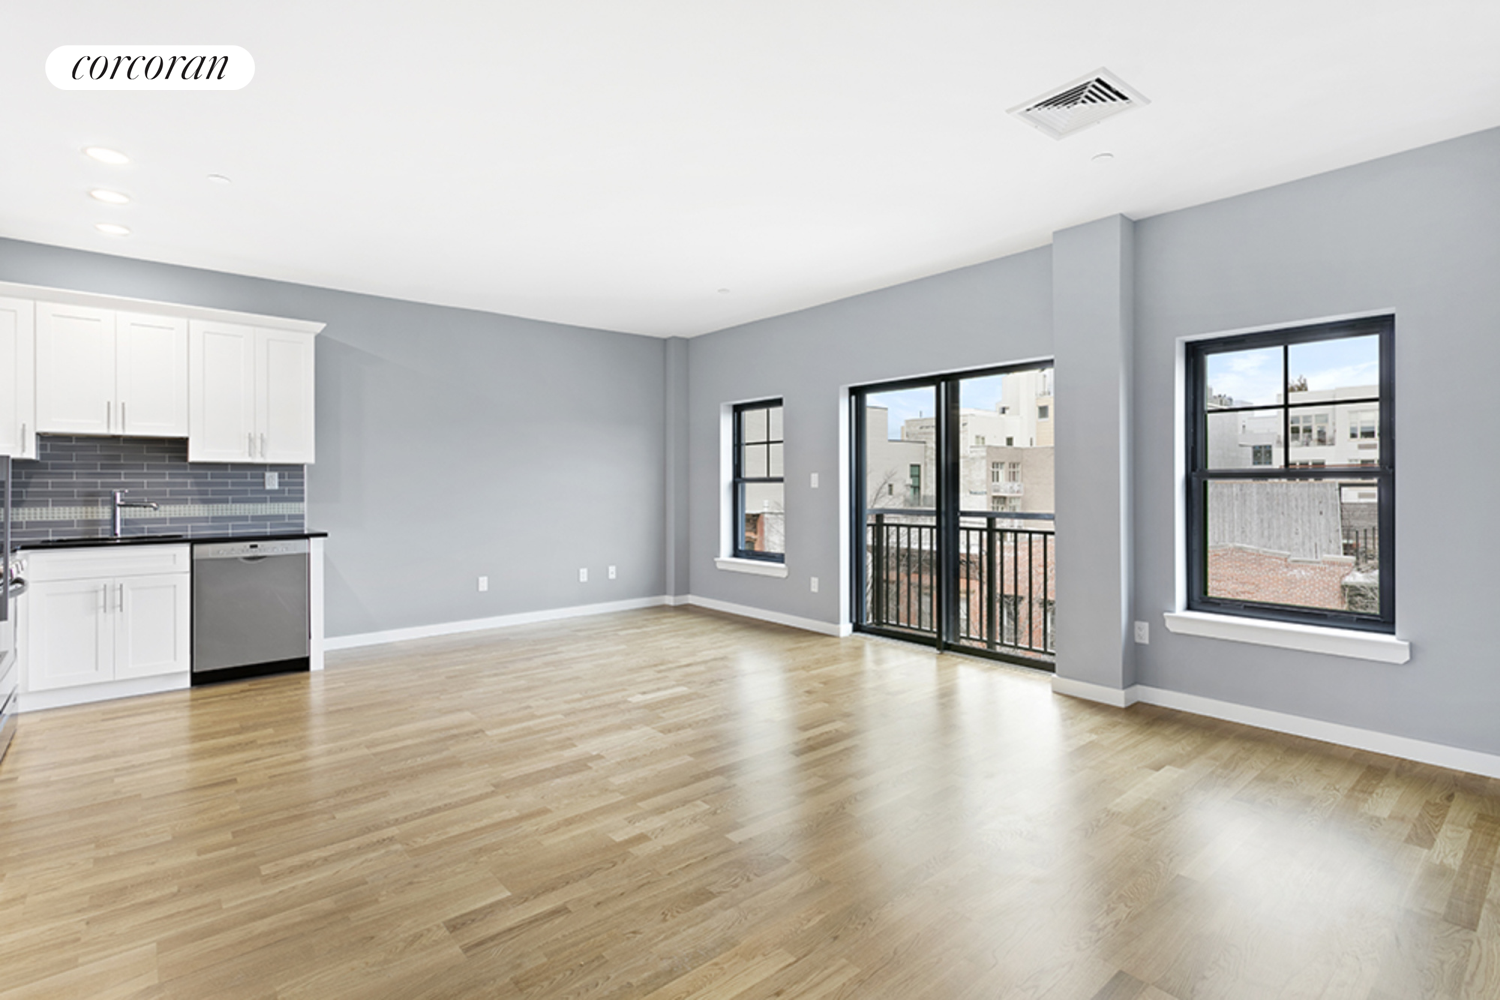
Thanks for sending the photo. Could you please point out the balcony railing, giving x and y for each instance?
(1364, 545)
(1006, 573)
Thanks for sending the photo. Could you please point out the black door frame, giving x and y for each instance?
(947, 460)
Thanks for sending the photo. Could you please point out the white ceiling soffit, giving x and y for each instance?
(1073, 107)
(674, 167)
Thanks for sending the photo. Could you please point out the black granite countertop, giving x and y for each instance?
(164, 539)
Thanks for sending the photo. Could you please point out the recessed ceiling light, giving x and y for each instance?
(112, 228)
(723, 291)
(1103, 157)
(218, 178)
(106, 155)
(113, 197)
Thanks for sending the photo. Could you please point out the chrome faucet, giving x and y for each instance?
(121, 503)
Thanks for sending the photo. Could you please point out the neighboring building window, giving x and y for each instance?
(995, 471)
(1010, 442)
(979, 440)
(759, 489)
(1042, 412)
(916, 483)
(1013, 472)
(1273, 534)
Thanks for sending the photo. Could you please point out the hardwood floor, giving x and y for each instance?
(675, 804)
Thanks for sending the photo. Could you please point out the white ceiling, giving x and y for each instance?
(615, 163)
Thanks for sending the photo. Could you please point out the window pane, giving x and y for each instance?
(753, 464)
(775, 460)
(752, 425)
(1329, 435)
(774, 415)
(1311, 544)
(1334, 369)
(763, 528)
(1244, 439)
(900, 432)
(1243, 378)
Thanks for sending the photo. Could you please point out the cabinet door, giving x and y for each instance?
(284, 396)
(221, 392)
(17, 378)
(75, 370)
(151, 625)
(67, 634)
(152, 375)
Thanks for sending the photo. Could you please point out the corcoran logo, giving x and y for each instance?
(150, 67)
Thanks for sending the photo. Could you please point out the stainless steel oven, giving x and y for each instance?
(11, 587)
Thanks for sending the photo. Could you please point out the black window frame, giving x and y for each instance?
(740, 480)
(1199, 475)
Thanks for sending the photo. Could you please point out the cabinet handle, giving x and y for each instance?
(23, 439)
(262, 446)
(103, 598)
(109, 416)
(250, 443)
(122, 416)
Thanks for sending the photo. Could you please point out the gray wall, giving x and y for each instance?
(451, 443)
(1418, 232)
(990, 313)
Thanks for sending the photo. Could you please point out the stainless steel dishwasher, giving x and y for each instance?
(250, 610)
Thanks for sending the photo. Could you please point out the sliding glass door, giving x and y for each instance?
(953, 495)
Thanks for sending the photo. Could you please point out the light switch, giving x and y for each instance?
(814, 479)
(273, 480)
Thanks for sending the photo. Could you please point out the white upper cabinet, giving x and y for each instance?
(151, 369)
(75, 370)
(99, 371)
(238, 386)
(251, 394)
(17, 378)
(221, 392)
(284, 396)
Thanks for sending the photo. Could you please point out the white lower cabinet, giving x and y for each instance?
(95, 616)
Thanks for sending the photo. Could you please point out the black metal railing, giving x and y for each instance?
(1006, 571)
(1364, 545)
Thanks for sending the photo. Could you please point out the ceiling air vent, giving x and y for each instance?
(1075, 106)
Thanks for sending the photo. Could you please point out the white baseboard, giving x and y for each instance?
(578, 611)
(479, 624)
(1439, 754)
(795, 621)
(37, 701)
(1094, 692)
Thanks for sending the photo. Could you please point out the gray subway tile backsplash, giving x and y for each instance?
(66, 492)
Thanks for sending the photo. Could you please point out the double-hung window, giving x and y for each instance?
(1291, 474)
(759, 489)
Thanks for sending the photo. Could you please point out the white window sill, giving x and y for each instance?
(755, 567)
(1287, 635)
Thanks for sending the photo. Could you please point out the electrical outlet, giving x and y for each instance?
(611, 572)
(273, 480)
(484, 584)
(814, 581)
(1142, 633)
(583, 576)
(814, 480)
